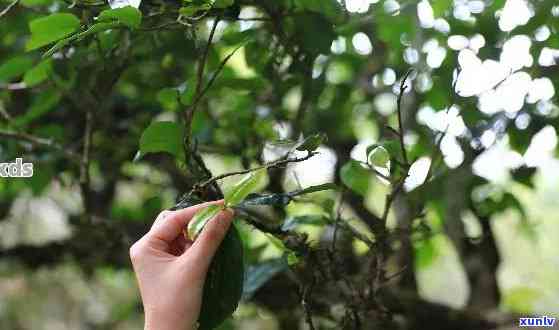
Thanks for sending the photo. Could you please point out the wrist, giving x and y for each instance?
(167, 321)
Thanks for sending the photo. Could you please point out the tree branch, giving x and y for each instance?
(189, 113)
(403, 88)
(36, 141)
(8, 8)
(216, 73)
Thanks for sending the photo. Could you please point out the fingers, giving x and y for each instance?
(207, 243)
(179, 245)
(169, 224)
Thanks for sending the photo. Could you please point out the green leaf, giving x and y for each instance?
(379, 156)
(440, 7)
(282, 199)
(162, 136)
(93, 29)
(223, 287)
(521, 299)
(201, 218)
(128, 16)
(191, 10)
(241, 190)
(425, 253)
(187, 96)
(257, 275)
(38, 74)
(293, 222)
(314, 32)
(330, 9)
(32, 3)
(270, 200)
(312, 142)
(391, 28)
(392, 147)
(168, 98)
(493, 205)
(355, 176)
(524, 175)
(46, 30)
(43, 103)
(312, 189)
(14, 67)
(223, 3)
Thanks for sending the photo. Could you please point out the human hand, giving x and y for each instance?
(171, 270)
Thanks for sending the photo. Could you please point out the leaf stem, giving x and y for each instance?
(277, 163)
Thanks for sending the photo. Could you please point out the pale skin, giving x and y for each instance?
(171, 269)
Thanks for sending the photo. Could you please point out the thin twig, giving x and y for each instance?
(380, 256)
(162, 26)
(305, 96)
(436, 150)
(390, 198)
(4, 114)
(398, 273)
(39, 142)
(277, 163)
(8, 8)
(403, 88)
(14, 86)
(216, 73)
(189, 112)
(377, 172)
(337, 221)
(203, 60)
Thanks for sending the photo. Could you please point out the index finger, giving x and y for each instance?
(170, 225)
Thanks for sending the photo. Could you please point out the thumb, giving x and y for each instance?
(206, 244)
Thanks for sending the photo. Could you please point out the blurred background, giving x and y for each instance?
(480, 121)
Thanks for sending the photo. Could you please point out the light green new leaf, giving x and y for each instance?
(391, 146)
(312, 142)
(46, 30)
(241, 190)
(162, 136)
(425, 253)
(128, 16)
(379, 156)
(200, 219)
(355, 177)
